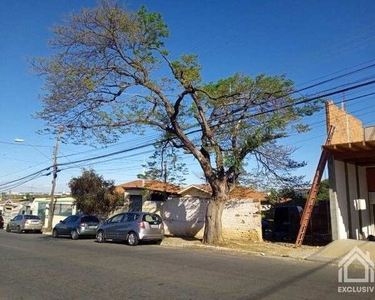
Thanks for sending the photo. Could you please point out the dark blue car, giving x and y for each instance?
(76, 226)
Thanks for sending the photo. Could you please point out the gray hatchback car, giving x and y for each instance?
(76, 226)
(132, 227)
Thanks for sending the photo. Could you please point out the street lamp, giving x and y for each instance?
(19, 140)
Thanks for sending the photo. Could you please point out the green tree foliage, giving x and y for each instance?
(111, 74)
(289, 193)
(284, 194)
(323, 193)
(94, 195)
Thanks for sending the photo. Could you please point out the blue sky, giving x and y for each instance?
(306, 40)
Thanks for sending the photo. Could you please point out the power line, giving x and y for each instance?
(230, 121)
(198, 130)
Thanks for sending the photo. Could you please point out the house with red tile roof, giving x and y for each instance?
(138, 191)
(184, 209)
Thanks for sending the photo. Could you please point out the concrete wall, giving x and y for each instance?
(344, 189)
(185, 216)
(242, 219)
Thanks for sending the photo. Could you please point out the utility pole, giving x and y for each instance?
(51, 210)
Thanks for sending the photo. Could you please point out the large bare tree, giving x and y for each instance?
(111, 74)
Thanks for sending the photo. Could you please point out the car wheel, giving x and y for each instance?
(19, 229)
(8, 228)
(74, 234)
(100, 238)
(132, 239)
(55, 234)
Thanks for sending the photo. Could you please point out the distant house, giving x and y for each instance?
(9, 209)
(64, 207)
(184, 209)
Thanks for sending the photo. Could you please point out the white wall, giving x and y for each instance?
(56, 218)
(343, 212)
(185, 216)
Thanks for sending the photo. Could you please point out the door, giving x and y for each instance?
(135, 203)
(127, 224)
(13, 223)
(65, 227)
(113, 226)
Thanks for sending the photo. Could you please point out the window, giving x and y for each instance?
(29, 217)
(63, 209)
(90, 219)
(116, 219)
(133, 217)
(158, 197)
(71, 219)
(152, 219)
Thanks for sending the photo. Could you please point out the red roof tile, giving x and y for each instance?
(152, 185)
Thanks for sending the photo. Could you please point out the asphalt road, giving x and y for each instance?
(35, 266)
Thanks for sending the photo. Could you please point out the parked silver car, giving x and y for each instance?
(23, 223)
(132, 227)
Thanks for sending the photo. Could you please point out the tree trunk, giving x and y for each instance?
(213, 232)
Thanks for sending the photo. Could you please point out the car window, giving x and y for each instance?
(90, 219)
(30, 217)
(71, 219)
(116, 219)
(126, 218)
(129, 217)
(151, 218)
(17, 218)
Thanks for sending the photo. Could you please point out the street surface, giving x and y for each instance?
(36, 266)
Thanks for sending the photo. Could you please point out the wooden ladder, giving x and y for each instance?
(306, 215)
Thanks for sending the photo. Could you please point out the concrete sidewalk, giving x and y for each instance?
(264, 248)
(337, 250)
(332, 253)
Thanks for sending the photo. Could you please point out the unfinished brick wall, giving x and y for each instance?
(348, 129)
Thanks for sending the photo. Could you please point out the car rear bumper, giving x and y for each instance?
(87, 231)
(150, 237)
(32, 227)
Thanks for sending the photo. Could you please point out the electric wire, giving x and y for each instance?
(349, 88)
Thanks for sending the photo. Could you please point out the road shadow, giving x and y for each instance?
(273, 289)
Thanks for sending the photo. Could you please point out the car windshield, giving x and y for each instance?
(152, 218)
(32, 218)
